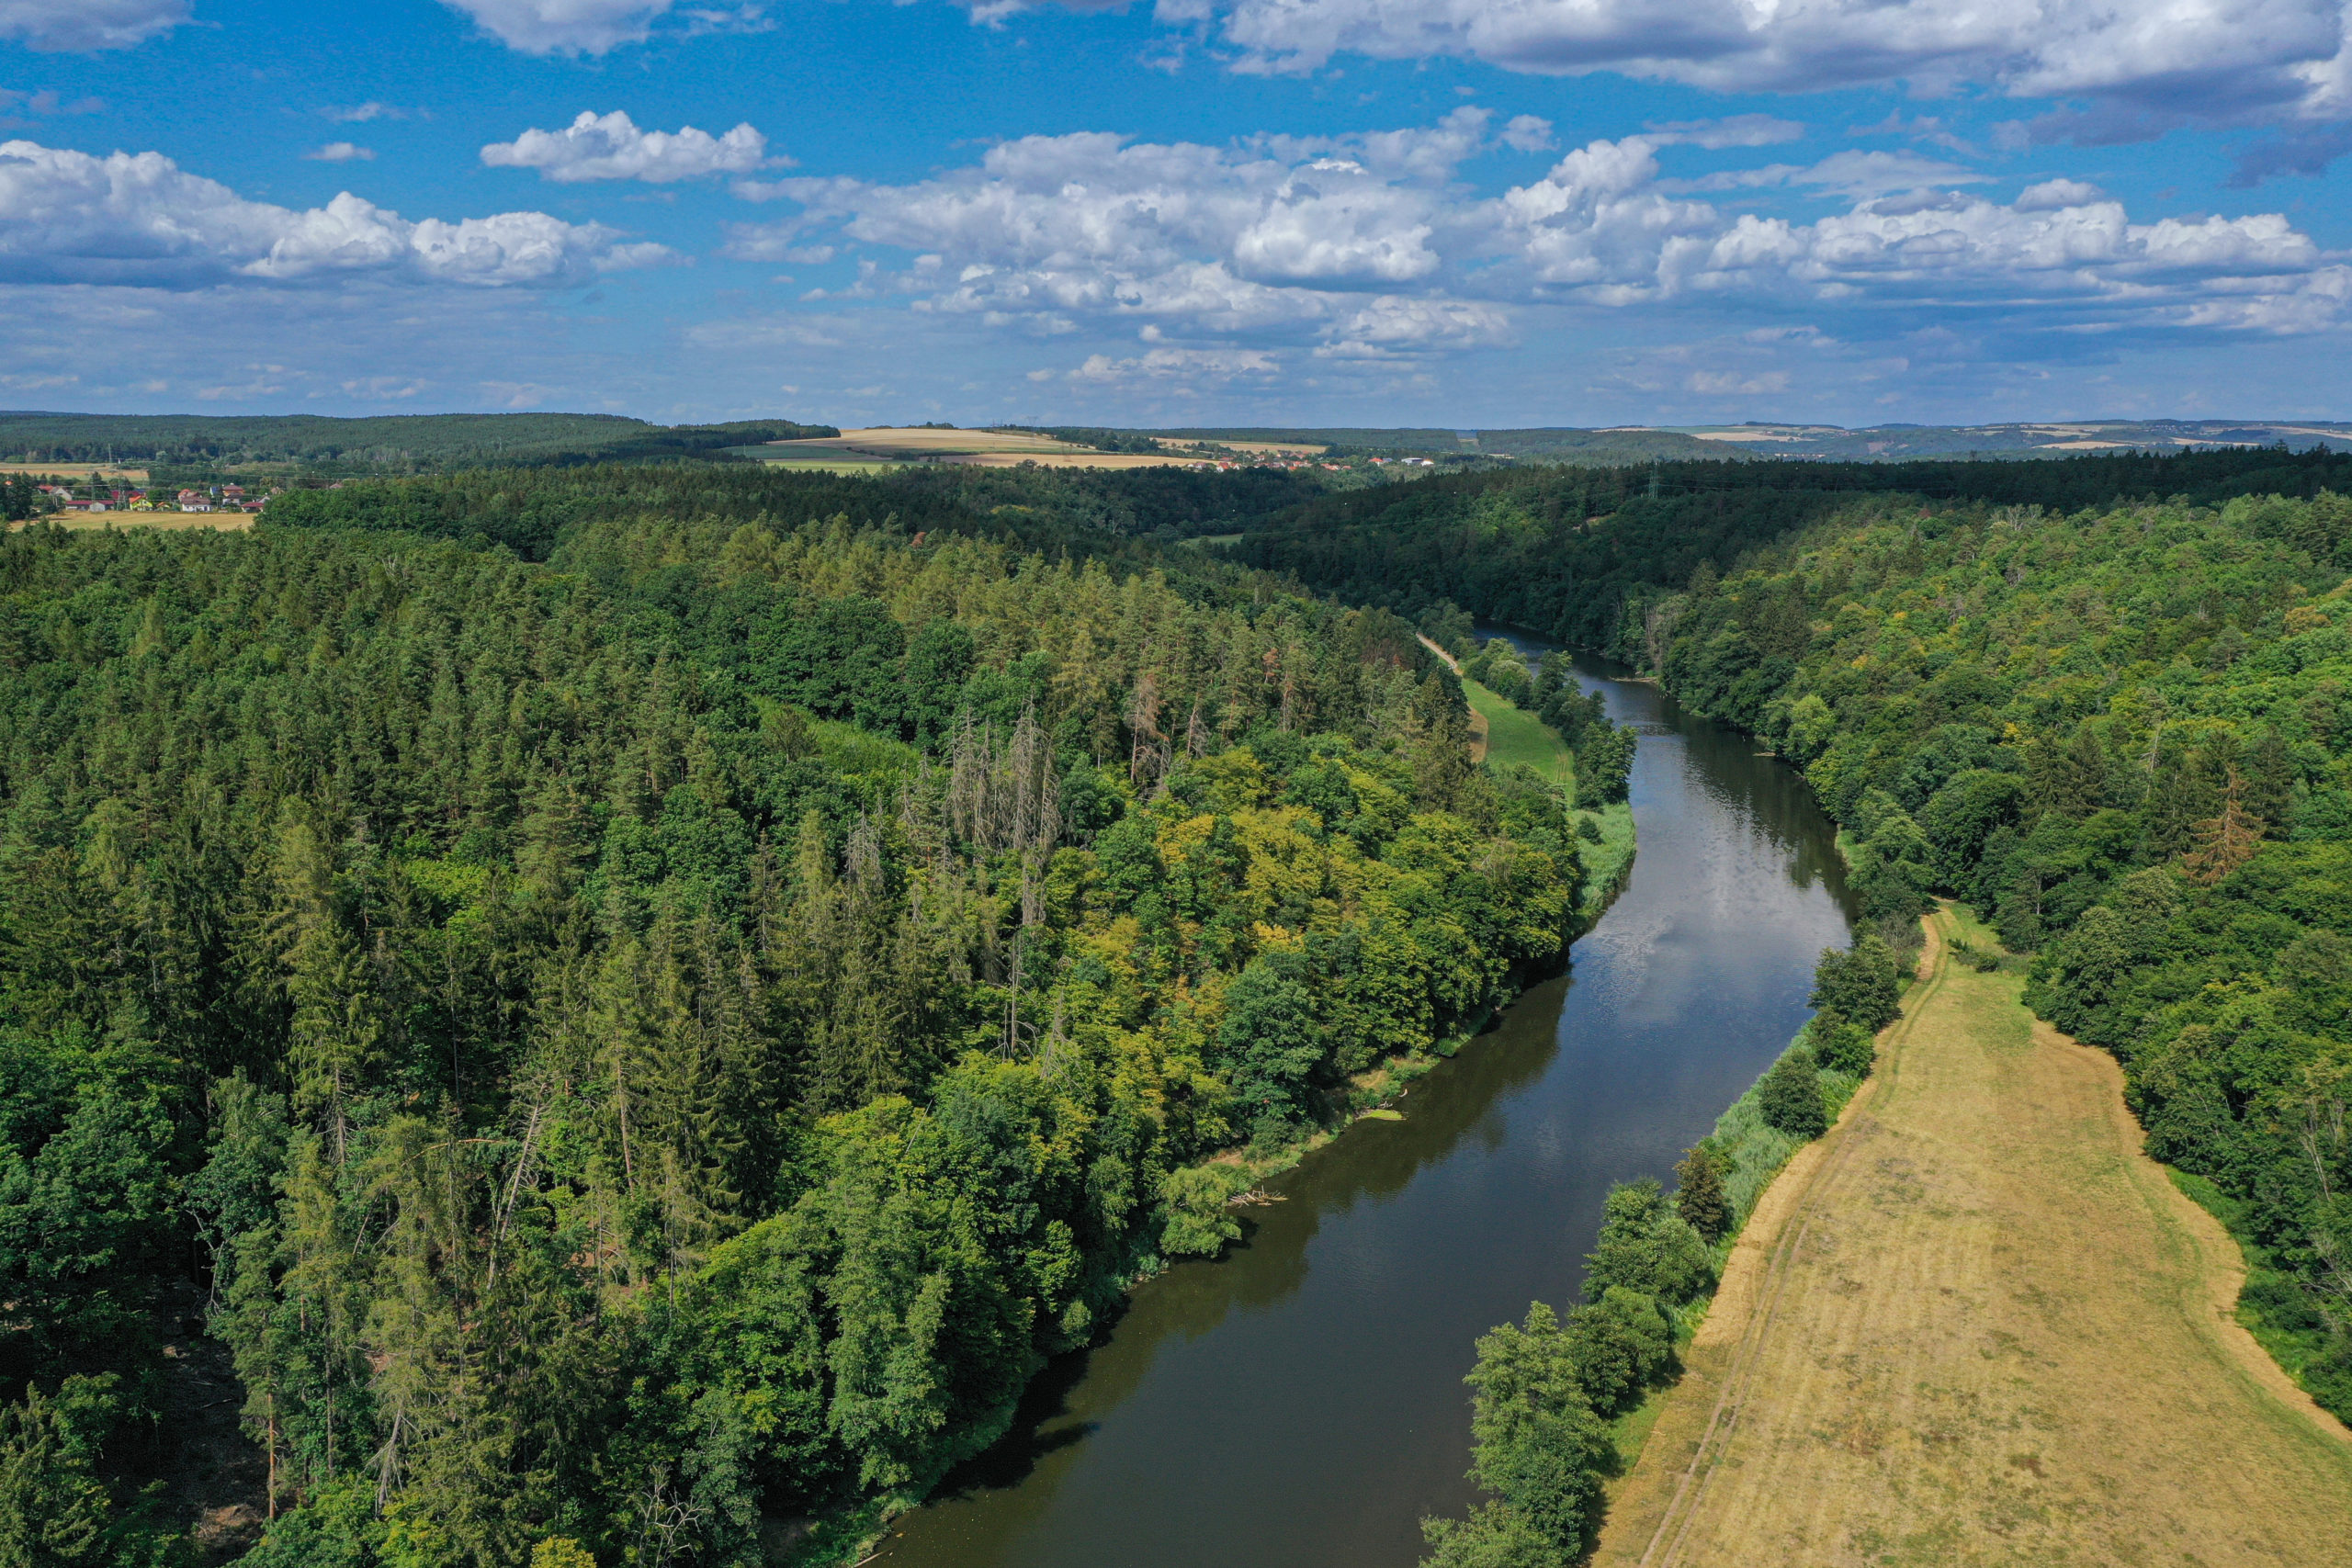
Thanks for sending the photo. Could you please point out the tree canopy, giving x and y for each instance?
(618, 1043)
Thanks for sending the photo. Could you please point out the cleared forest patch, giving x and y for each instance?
(1975, 1325)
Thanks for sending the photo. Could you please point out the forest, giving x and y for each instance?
(627, 1045)
(1116, 517)
(397, 443)
(613, 1013)
(2104, 701)
(1566, 551)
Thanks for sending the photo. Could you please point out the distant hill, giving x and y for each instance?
(2066, 438)
(1621, 444)
(1369, 440)
(1561, 444)
(398, 442)
(1599, 446)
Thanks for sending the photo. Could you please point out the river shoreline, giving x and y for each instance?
(1887, 1360)
(1310, 1380)
(847, 1541)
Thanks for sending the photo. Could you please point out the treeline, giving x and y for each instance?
(1349, 439)
(1610, 447)
(1575, 553)
(527, 510)
(396, 441)
(625, 1048)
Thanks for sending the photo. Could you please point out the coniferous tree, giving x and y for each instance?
(1699, 1195)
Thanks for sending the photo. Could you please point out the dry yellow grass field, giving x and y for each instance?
(78, 472)
(1974, 1325)
(975, 448)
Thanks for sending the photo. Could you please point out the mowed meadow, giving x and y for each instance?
(1976, 1325)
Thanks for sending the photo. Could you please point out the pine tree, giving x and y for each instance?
(2227, 842)
(1699, 1195)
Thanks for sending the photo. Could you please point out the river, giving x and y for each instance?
(1300, 1401)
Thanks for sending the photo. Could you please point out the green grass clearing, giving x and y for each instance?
(1514, 735)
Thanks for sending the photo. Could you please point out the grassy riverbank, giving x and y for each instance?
(1513, 736)
(1974, 1322)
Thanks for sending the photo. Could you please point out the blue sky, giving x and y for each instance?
(1475, 212)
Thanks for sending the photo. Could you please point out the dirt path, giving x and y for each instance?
(1973, 1325)
(1478, 719)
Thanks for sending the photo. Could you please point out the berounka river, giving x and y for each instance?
(1300, 1401)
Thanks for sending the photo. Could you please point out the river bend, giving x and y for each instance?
(1300, 1401)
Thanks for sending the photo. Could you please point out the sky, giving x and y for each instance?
(1477, 213)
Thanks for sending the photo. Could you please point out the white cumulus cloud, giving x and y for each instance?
(1529, 133)
(1283, 237)
(2050, 196)
(598, 26)
(138, 219)
(80, 26)
(2229, 59)
(564, 26)
(341, 152)
(1365, 248)
(1168, 363)
(611, 147)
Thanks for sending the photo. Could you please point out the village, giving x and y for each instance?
(96, 496)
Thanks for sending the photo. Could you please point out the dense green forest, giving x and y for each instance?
(2107, 701)
(623, 1049)
(631, 1004)
(402, 443)
(527, 510)
(1571, 552)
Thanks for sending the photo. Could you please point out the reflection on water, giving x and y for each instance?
(1300, 1401)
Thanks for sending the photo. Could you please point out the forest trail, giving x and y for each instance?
(1975, 1325)
(1478, 727)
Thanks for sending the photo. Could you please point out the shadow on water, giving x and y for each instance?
(1375, 1160)
(1300, 1401)
(1040, 1429)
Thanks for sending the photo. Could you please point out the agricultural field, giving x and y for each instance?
(1975, 1325)
(974, 448)
(81, 473)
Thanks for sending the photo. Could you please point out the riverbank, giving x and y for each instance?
(1243, 1175)
(1506, 734)
(1754, 1155)
(1975, 1311)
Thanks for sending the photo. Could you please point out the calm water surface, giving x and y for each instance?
(1300, 1401)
